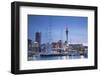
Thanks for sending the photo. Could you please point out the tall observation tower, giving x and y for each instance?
(66, 35)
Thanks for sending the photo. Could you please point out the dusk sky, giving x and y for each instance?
(77, 27)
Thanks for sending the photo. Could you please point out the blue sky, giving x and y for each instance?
(77, 26)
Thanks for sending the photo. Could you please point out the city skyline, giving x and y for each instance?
(56, 27)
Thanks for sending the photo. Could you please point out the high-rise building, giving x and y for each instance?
(38, 37)
(29, 44)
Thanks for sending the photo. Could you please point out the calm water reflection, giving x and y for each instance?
(54, 57)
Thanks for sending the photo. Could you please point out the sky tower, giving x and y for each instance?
(67, 35)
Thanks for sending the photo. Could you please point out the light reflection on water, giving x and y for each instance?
(55, 57)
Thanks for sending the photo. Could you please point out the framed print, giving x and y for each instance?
(52, 37)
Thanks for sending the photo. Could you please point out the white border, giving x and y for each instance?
(26, 65)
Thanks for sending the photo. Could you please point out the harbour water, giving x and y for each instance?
(65, 57)
(57, 54)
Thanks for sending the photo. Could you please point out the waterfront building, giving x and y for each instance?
(60, 43)
(54, 44)
(48, 47)
(65, 46)
(30, 48)
(78, 47)
(36, 44)
(36, 47)
(43, 48)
